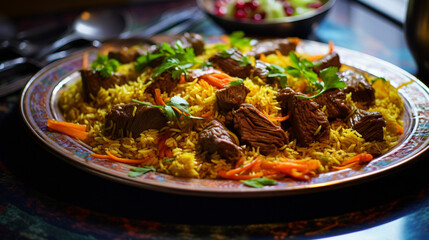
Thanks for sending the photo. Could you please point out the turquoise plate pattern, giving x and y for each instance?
(39, 102)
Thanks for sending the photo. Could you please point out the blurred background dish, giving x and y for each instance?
(282, 21)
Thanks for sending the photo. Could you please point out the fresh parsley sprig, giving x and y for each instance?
(259, 182)
(275, 71)
(303, 67)
(173, 110)
(175, 60)
(138, 171)
(237, 40)
(243, 61)
(105, 66)
(330, 80)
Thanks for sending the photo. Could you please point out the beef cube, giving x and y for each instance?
(192, 40)
(330, 60)
(215, 138)
(230, 65)
(261, 70)
(256, 130)
(335, 102)
(307, 122)
(127, 55)
(92, 81)
(231, 97)
(368, 124)
(266, 47)
(132, 119)
(164, 82)
(358, 85)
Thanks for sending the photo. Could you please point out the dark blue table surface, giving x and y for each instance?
(42, 197)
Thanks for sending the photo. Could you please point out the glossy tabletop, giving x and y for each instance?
(43, 197)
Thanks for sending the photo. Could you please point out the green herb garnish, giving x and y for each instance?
(275, 71)
(173, 110)
(236, 82)
(330, 81)
(259, 182)
(238, 40)
(105, 66)
(169, 159)
(303, 67)
(243, 61)
(176, 60)
(138, 171)
(378, 78)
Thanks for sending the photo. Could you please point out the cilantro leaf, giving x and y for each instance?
(173, 110)
(105, 66)
(237, 39)
(236, 82)
(330, 81)
(138, 171)
(169, 159)
(275, 71)
(176, 60)
(259, 182)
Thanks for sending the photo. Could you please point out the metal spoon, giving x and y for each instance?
(97, 25)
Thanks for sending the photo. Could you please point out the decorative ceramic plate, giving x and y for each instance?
(39, 102)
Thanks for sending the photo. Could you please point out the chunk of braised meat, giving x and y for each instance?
(307, 122)
(255, 129)
(131, 119)
(368, 124)
(230, 65)
(164, 82)
(194, 40)
(266, 47)
(127, 55)
(231, 97)
(92, 82)
(261, 70)
(335, 102)
(359, 86)
(215, 138)
(330, 60)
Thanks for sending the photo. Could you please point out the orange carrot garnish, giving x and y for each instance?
(158, 98)
(112, 157)
(71, 129)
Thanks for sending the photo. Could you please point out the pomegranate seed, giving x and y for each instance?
(221, 11)
(253, 5)
(218, 4)
(314, 5)
(240, 5)
(257, 17)
(240, 14)
(289, 11)
(286, 4)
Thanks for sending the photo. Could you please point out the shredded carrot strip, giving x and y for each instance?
(360, 158)
(262, 57)
(85, 60)
(296, 169)
(279, 54)
(225, 174)
(239, 162)
(112, 157)
(206, 115)
(71, 129)
(400, 129)
(215, 81)
(241, 169)
(182, 79)
(331, 46)
(158, 98)
(225, 39)
(220, 75)
(162, 148)
(295, 40)
(276, 119)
